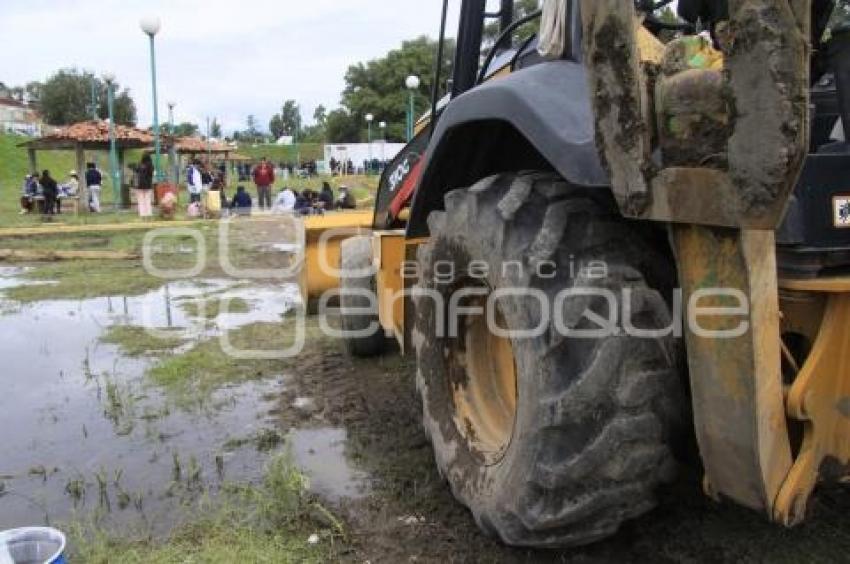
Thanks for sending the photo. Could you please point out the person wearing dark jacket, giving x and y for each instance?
(144, 187)
(94, 182)
(50, 189)
(326, 197)
(241, 202)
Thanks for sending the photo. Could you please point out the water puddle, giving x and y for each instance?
(321, 454)
(81, 429)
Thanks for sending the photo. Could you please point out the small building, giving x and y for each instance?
(19, 118)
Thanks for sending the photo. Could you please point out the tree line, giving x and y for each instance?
(375, 87)
(66, 97)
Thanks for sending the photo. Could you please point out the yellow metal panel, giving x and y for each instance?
(390, 247)
(820, 398)
(837, 285)
(739, 412)
(323, 235)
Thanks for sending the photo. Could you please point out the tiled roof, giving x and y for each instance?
(92, 135)
(196, 145)
(98, 131)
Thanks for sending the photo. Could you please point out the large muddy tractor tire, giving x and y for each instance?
(357, 279)
(550, 438)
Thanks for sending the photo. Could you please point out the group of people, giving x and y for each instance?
(309, 202)
(347, 167)
(46, 190)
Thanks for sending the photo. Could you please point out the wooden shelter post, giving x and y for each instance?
(125, 187)
(33, 161)
(81, 172)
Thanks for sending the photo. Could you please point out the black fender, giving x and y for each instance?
(536, 118)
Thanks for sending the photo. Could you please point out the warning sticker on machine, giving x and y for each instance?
(841, 211)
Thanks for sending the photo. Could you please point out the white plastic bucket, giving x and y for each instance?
(32, 545)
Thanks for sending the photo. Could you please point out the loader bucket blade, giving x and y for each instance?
(321, 237)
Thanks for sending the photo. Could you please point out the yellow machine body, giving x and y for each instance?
(766, 440)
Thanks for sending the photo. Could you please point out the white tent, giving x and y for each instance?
(359, 153)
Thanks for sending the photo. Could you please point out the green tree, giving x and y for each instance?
(378, 87)
(186, 129)
(215, 129)
(252, 132)
(290, 117)
(341, 127)
(276, 127)
(522, 8)
(65, 98)
(320, 115)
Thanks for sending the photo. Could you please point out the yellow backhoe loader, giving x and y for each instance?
(610, 238)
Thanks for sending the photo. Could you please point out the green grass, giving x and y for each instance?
(212, 308)
(84, 279)
(278, 154)
(78, 280)
(191, 377)
(267, 523)
(14, 165)
(137, 341)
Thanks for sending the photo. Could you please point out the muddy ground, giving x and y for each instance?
(412, 516)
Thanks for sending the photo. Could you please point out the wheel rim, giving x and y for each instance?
(484, 386)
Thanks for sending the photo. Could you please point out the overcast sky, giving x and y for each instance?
(220, 58)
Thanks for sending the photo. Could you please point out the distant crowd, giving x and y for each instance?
(207, 190)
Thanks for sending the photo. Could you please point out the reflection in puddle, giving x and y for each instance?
(79, 423)
(321, 454)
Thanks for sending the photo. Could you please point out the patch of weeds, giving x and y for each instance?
(268, 440)
(135, 341)
(119, 407)
(265, 441)
(194, 375)
(76, 489)
(267, 523)
(212, 308)
(193, 473)
(79, 280)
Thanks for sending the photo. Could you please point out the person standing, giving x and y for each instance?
(144, 187)
(264, 179)
(195, 181)
(50, 190)
(94, 181)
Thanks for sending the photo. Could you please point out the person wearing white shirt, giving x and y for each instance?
(285, 201)
(196, 182)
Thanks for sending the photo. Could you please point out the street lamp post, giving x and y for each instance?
(114, 169)
(369, 119)
(412, 84)
(383, 126)
(209, 147)
(172, 149)
(151, 26)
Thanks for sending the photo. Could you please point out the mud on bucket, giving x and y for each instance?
(32, 545)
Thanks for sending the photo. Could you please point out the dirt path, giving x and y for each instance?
(412, 516)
